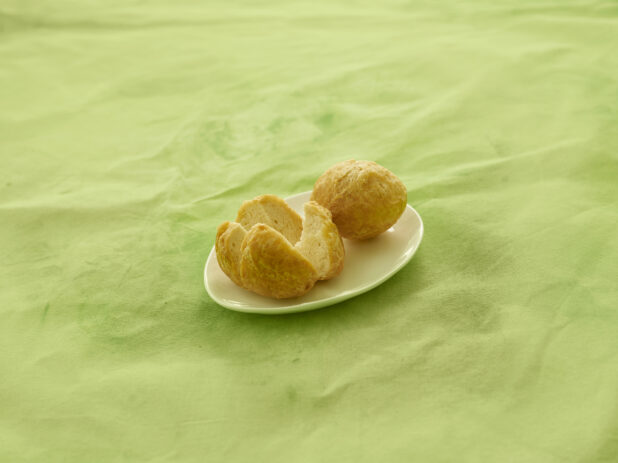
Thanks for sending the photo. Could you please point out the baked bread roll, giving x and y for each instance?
(273, 211)
(320, 241)
(365, 199)
(265, 260)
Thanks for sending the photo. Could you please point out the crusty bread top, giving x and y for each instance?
(272, 267)
(364, 197)
(274, 212)
(321, 242)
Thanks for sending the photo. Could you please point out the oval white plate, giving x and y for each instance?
(367, 264)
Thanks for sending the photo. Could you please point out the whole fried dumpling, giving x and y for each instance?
(365, 199)
(271, 266)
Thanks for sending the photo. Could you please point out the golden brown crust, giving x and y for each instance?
(228, 256)
(272, 267)
(365, 199)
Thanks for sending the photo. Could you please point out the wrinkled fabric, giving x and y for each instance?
(130, 130)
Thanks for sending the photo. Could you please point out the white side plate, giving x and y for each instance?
(367, 264)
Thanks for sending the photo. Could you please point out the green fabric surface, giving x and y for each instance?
(130, 130)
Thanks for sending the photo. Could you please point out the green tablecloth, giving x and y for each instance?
(130, 130)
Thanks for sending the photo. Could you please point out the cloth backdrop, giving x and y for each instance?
(129, 130)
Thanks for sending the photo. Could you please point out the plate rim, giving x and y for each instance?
(314, 305)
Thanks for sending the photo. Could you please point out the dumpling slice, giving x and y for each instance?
(271, 266)
(320, 241)
(228, 242)
(273, 211)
